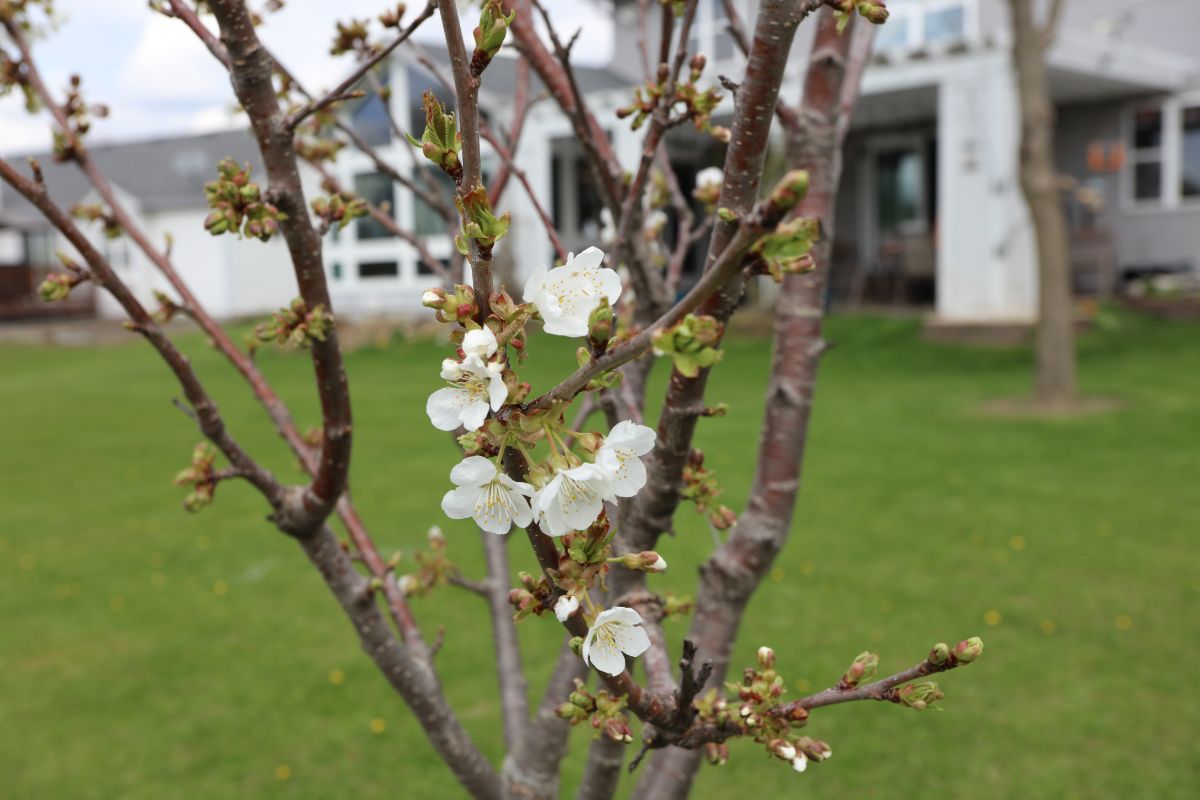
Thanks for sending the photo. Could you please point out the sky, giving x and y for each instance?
(158, 79)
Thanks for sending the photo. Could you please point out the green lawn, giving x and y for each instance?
(149, 653)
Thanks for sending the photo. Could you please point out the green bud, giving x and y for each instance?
(918, 696)
(576, 645)
(940, 654)
(863, 668)
(601, 322)
(968, 650)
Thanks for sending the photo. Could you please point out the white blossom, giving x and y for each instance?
(616, 633)
(658, 566)
(655, 221)
(800, 762)
(475, 386)
(430, 298)
(565, 606)
(408, 584)
(572, 499)
(710, 178)
(492, 498)
(620, 457)
(566, 296)
(480, 343)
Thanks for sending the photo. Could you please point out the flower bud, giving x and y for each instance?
(601, 322)
(576, 645)
(408, 584)
(781, 748)
(814, 749)
(766, 660)
(968, 650)
(434, 298)
(800, 763)
(940, 654)
(862, 669)
(919, 696)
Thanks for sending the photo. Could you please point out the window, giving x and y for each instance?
(378, 269)
(915, 23)
(426, 219)
(376, 189)
(1147, 154)
(710, 31)
(425, 269)
(369, 116)
(945, 25)
(1163, 142)
(116, 252)
(1189, 177)
(336, 270)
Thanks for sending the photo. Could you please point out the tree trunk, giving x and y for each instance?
(1055, 375)
(730, 576)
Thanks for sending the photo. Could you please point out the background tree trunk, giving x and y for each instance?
(1055, 374)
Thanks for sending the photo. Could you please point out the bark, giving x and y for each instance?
(730, 576)
(511, 673)
(531, 770)
(1055, 381)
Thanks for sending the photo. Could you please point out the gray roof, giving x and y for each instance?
(163, 174)
(500, 78)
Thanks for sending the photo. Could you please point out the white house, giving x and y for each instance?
(161, 182)
(929, 214)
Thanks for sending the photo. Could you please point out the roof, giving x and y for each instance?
(162, 174)
(500, 77)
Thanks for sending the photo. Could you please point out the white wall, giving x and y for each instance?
(986, 262)
(12, 247)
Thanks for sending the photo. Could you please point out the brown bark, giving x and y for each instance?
(1055, 381)
(730, 576)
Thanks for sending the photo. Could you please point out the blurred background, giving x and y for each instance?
(148, 652)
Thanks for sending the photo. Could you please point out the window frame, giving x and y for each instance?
(1170, 154)
(914, 14)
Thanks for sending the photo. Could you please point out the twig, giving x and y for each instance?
(341, 91)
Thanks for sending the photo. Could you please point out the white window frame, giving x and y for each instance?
(1170, 154)
(705, 28)
(914, 12)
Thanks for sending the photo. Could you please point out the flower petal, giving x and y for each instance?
(497, 389)
(632, 639)
(474, 415)
(445, 406)
(473, 471)
(534, 285)
(589, 259)
(460, 503)
(607, 658)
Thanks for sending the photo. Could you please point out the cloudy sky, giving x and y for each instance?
(157, 78)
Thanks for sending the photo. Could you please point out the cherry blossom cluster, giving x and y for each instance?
(505, 480)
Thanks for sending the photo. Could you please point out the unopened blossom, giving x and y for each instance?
(566, 296)
(480, 343)
(710, 178)
(616, 633)
(572, 499)
(475, 386)
(620, 457)
(494, 500)
(655, 221)
(800, 762)
(565, 606)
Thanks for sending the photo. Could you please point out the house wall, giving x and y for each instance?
(12, 247)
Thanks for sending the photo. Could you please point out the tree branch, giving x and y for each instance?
(251, 75)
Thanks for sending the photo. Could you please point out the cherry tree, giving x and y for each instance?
(522, 463)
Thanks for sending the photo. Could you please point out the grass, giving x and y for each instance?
(149, 653)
